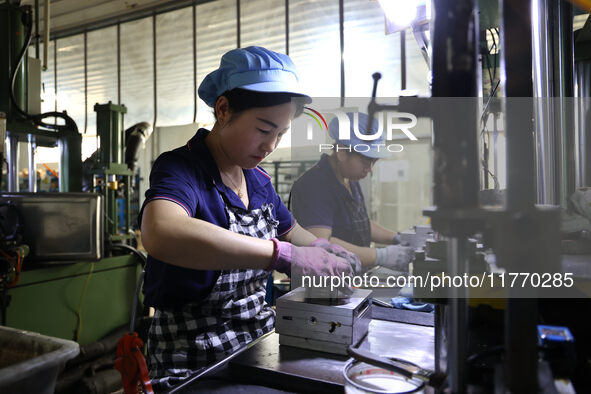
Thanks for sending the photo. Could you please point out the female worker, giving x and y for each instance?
(327, 199)
(214, 226)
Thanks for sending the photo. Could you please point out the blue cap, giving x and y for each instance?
(374, 148)
(252, 68)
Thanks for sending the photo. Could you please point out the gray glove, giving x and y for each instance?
(394, 257)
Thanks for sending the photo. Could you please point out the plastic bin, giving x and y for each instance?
(30, 362)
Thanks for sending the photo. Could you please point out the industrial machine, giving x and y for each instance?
(499, 350)
(59, 251)
(519, 339)
(512, 338)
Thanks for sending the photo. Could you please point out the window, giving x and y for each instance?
(368, 50)
(101, 71)
(137, 71)
(174, 67)
(216, 35)
(267, 31)
(70, 78)
(314, 45)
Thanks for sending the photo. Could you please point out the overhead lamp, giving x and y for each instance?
(400, 12)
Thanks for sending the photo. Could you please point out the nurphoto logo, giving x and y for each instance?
(390, 124)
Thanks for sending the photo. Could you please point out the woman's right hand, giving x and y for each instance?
(307, 260)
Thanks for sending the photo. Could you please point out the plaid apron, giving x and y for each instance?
(234, 313)
(360, 225)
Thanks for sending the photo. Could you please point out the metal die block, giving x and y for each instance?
(417, 237)
(313, 344)
(424, 230)
(346, 309)
(323, 327)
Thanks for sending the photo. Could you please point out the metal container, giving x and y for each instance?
(30, 362)
(60, 226)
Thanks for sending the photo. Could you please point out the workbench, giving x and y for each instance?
(267, 367)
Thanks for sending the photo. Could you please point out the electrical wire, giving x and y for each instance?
(79, 311)
(140, 283)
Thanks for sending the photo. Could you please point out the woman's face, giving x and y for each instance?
(253, 134)
(354, 165)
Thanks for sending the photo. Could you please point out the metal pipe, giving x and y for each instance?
(155, 64)
(544, 117)
(287, 27)
(403, 59)
(45, 34)
(516, 62)
(583, 113)
(520, 365)
(457, 354)
(237, 24)
(456, 168)
(194, 63)
(85, 82)
(37, 29)
(440, 327)
(55, 77)
(342, 48)
(566, 53)
(119, 63)
(12, 163)
(32, 145)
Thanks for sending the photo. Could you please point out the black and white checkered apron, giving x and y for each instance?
(194, 336)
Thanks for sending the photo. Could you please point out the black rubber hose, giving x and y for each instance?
(28, 22)
(139, 283)
(133, 250)
(3, 305)
(70, 123)
(132, 148)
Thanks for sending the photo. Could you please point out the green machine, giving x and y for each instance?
(21, 126)
(78, 280)
(112, 177)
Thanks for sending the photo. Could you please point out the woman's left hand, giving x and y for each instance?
(339, 251)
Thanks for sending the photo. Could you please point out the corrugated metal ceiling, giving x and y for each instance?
(71, 16)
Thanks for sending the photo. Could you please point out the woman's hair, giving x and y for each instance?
(240, 100)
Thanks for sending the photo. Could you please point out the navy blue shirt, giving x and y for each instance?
(189, 177)
(318, 199)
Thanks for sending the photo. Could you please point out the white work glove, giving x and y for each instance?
(394, 257)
